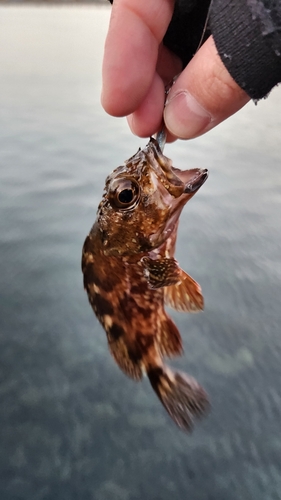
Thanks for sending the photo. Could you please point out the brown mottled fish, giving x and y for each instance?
(130, 273)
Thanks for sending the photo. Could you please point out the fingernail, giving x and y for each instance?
(184, 116)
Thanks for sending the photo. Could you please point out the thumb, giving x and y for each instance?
(203, 96)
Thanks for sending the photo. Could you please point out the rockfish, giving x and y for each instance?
(130, 273)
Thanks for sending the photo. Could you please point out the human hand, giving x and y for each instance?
(137, 67)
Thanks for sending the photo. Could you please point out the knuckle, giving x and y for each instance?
(221, 91)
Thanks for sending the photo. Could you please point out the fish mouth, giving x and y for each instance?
(193, 179)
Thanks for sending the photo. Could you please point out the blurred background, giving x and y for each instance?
(72, 426)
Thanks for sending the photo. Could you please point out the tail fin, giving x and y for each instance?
(182, 397)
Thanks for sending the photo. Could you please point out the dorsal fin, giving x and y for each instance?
(169, 339)
(128, 363)
(185, 296)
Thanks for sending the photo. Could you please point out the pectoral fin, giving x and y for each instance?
(185, 296)
(181, 291)
(161, 272)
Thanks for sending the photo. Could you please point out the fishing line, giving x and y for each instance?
(161, 136)
(205, 27)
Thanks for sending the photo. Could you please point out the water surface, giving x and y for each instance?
(72, 425)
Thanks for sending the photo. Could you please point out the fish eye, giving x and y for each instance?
(126, 193)
(126, 196)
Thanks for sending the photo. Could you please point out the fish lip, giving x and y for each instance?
(196, 181)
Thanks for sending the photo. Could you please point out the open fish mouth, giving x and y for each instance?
(193, 179)
(197, 182)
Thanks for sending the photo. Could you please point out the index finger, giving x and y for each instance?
(131, 49)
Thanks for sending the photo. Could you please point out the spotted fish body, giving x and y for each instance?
(130, 273)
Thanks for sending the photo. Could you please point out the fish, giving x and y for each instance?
(130, 274)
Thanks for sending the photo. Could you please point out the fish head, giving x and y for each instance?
(143, 200)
